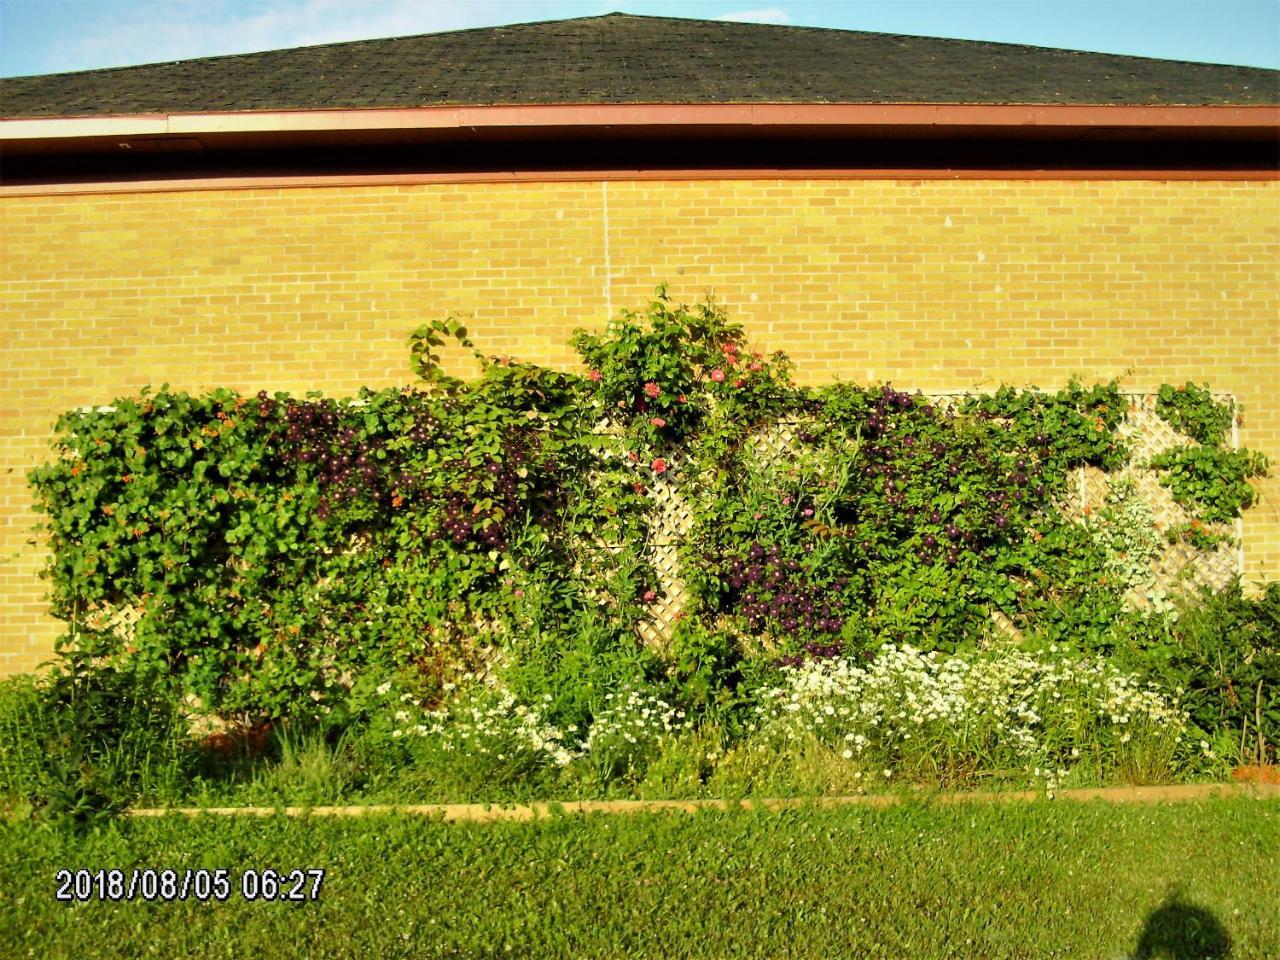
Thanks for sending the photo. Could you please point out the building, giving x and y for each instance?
(943, 214)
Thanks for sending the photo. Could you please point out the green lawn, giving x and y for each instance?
(1027, 880)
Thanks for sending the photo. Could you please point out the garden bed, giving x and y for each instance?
(483, 591)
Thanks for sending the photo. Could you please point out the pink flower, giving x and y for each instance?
(756, 366)
(682, 398)
(650, 596)
(635, 457)
(519, 593)
(651, 390)
(593, 376)
(658, 422)
(807, 511)
(659, 465)
(738, 383)
(717, 375)
(757, 515)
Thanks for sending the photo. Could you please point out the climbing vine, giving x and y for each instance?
(281, 553)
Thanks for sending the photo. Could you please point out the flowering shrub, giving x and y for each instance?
(913, 715)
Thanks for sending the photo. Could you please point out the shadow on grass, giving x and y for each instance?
(1178, 930)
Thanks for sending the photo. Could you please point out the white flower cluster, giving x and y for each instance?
(633, 717)
(491, 722)
(1004, 706)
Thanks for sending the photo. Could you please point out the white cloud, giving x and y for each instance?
(768, 15)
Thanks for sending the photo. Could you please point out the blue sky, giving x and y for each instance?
(48, 36)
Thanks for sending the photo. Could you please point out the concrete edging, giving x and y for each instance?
(486, 812)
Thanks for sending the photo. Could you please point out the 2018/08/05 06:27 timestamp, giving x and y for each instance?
(124, 886)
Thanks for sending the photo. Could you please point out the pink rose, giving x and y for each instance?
(659, 465)
(756, 366)
(658, 422)
(593, 376)
(651, 390)
(650, 596)
(717, 375)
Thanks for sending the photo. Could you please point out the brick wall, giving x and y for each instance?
(935, 284)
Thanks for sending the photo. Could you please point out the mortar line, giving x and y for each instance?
(608, 263)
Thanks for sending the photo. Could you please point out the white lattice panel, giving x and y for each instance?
(1148, 434)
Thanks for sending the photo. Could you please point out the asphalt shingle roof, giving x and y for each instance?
(620, 58)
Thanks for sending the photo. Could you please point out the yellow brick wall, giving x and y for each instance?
(934, 284)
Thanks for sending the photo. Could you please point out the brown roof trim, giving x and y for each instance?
(562, 176)
(781, 115)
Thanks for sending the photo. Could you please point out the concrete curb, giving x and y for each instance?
(485, 812)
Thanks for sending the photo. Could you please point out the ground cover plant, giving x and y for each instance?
(436, 593)
(1043, 879)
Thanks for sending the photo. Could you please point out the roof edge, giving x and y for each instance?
(776, 115)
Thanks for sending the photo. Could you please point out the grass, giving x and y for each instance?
(1027, 880)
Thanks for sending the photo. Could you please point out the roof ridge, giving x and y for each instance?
(650, 17)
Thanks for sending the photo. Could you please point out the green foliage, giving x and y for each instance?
(1192, 410)
(1223, 652)
(1212, 482)
(576, 667)
(1126, 531)
(89, 739)
(1199, 536)
(705, 667)
(274, 547)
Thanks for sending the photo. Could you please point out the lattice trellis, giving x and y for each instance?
(1179, 567)
(1148, 434)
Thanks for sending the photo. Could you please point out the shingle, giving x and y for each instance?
(620, 58)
